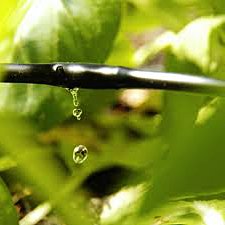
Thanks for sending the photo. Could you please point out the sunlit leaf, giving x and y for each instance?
(200, 43)
(9, 21)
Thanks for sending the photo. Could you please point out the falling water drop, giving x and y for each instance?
(80, 154)
(77, 111)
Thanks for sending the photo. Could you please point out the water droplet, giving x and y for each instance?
(77, 111)
(80, 154)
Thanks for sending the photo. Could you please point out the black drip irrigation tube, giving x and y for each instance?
(94, 76)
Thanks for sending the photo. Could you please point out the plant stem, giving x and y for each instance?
(95, 76)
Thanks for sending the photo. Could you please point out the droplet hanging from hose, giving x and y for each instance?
(77, 112)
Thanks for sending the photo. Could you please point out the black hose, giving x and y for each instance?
(94, 76)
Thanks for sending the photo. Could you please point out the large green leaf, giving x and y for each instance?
(8, 215)
(58, 31)
(193, 169)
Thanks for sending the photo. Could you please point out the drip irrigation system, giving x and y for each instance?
(94, 76)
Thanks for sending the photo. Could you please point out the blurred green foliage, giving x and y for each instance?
(173, 141)
(8, 213)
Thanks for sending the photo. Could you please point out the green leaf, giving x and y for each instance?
(66, 31)
(199, 45)
(58, 31)
(9, 22)
(206, 50)
(8, 215)
(193, 169)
